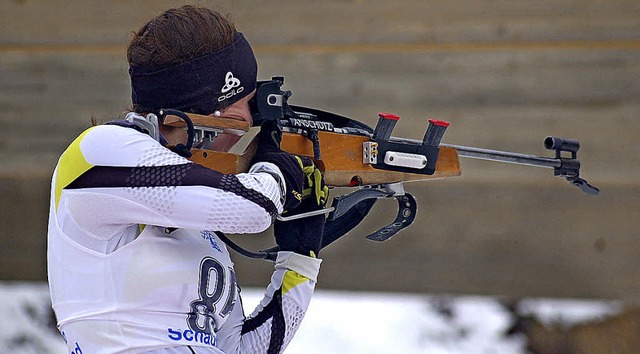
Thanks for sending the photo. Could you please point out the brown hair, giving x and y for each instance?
(179, 35)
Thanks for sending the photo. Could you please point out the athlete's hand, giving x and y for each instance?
(290, 166)
(304, 236)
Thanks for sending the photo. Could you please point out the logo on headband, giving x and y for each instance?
(230, 83)
(229, 87)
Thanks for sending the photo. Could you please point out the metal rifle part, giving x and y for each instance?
(400, 155)
(305, 215)
(567, 167)
(271, 103)
(148, 123)
(347, 211)
(341, 205)
(407, 207)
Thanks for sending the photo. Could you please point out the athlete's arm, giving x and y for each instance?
(134, 180)
(274, 322)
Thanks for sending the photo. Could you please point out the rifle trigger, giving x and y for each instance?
(407, 208)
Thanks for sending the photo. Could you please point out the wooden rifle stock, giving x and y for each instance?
(342, 161)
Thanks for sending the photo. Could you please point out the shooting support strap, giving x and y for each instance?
(201, 85)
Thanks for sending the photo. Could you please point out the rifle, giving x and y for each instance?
(352, 154)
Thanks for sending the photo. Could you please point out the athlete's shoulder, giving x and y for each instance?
(112, 136)
(114, 145)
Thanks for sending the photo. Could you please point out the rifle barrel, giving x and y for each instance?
(504, 156)
(495, 155)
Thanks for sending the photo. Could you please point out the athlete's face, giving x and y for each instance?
(239, 111)
(225, 141)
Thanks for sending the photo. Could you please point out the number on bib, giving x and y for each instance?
(211, 288)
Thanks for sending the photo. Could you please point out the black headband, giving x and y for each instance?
(201, 85)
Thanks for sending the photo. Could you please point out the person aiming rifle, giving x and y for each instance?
(136, 262)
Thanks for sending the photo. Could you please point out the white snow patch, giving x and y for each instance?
(340, 322)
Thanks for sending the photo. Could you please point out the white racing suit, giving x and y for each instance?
(134, 265)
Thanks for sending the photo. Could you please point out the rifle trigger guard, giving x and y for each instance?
(407, 208)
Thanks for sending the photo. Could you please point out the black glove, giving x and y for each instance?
(291, 166)
(304, 236)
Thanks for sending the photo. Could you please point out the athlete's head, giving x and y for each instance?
(192, 59)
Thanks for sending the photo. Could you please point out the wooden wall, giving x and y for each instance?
(506, 74)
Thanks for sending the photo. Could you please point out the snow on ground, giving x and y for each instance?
(340, 322)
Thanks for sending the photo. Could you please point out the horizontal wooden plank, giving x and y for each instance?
(460, 79)
(547, 78)
(505, 100)
(334, 21)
